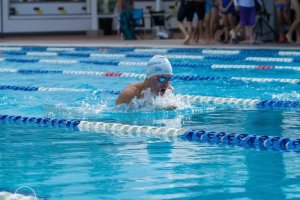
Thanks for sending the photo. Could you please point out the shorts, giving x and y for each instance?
(207, 6)
(231, 9)
(247, 16)
(199, 9)
(186, 10)
(280, 6)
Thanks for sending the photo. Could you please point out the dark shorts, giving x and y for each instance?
(231, 9)
(280, 6)
(247, 16)
(186, 10)
(199, 9)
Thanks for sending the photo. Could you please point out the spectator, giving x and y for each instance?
(199, 9)
(186, 10)
(228, 17)
(213, 20)
(247, 18)
(124, 8)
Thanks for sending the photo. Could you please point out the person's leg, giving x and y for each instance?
(241, 24)
(201, 30)
(280, 18)
(226, 27)
(250, 22)
(195, 9)
(198, 31)
(207, 26)
(287, 14)
(195, 35)
(207, 20)
(182, 29)
(189, 16)
(182, 12)
(296, 22)
(232, 23)
(190, 32)
(249, 34)
(298, 36)
(213, 23)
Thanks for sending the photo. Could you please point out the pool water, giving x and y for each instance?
(60, 163)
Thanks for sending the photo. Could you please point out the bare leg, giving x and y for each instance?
(183, 30)
(298, 36)
(280, 18)
(249, 34)
(198, 31)
(296, 22)
(190, 32)
(207, 27)
(213, 23)
(226, 28)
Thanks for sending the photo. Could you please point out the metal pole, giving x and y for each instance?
(158, 5)
(94, 14)
(1, 19)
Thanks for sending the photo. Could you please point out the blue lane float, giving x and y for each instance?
(22, 88)
(262, 142)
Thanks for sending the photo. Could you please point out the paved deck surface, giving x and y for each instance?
(82, 40)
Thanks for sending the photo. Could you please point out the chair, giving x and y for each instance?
(139, 22)
(159, 25)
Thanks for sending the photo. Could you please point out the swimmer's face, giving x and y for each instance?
(160, 83)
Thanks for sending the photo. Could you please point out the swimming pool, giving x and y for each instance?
(231, 91)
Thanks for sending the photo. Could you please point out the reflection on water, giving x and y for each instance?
(59, 163)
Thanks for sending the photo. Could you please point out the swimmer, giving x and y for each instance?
(158, 75)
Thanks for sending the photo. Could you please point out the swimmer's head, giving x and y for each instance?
(159, 73)
(158, 65)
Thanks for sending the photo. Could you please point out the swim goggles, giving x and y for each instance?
(163, 79)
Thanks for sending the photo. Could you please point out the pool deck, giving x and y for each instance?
(114, 41)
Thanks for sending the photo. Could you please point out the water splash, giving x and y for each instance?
(293, 96)
(149, 102)
(89, 106)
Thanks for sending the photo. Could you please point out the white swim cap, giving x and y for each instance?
(158, 64)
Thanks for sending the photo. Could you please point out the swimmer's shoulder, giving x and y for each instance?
(131, 91)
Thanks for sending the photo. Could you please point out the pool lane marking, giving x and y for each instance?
(142, 64)
(205, 55)
(142, 76)
(224, 101)
(152, 50)
(262, 142)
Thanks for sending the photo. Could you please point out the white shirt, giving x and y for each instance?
(246, 3)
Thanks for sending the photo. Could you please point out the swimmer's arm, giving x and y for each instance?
(168, 108)
(126, 96)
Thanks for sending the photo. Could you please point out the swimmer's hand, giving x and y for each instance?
(171, 107)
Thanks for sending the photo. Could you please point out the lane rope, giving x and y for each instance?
(143, 64)
(224, 101)
(142, 76)
(263, 142)
(206, 54)
(11, 196)
(270, 52)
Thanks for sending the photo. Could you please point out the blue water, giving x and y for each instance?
(68, 164)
